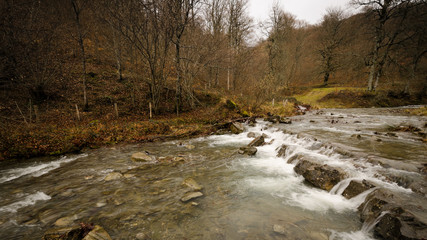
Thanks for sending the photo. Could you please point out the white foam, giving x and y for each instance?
(36, 170)
(358, 235)
(28, 201)
(321, 201)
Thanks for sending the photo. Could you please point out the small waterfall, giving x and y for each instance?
(368, 226)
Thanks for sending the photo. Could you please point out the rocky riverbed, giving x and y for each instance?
(329, 174)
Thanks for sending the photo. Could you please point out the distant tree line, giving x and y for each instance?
(164, 51)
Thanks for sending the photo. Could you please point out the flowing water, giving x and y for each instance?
(259, 197)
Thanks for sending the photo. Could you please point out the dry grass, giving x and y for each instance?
(314, 96)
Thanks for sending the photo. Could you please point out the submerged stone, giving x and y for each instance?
(113, 176)
(191, 195)
(191, 183)
(65, 221)
(279, 229)
(190, 147)
(141, 157)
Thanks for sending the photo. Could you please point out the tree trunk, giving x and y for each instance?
(326, 78)
(77, 12)
(178, 76)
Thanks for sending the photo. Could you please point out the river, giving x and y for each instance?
(258, 197)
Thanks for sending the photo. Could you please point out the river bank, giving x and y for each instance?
(61, 134)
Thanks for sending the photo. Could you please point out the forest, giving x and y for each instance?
(73, 64)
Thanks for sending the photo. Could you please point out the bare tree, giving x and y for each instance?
(284, 46)
(215, 19)
(146, 25)
(382, 13)
(239, 26)
(181, 13)
(78, 6)
(331, 37)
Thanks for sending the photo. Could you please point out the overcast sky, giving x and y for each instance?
(309, 10)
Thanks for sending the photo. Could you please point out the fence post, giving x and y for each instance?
(77, 112)
(116, 110)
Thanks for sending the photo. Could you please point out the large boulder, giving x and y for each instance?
(321, 176)
(355, 188)
(258, 141)
(248, 151)
(141, 157)
(237, 128)
(395, 215)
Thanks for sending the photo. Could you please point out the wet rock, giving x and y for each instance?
(141, 157)
(390, 134)
(398, 215)
(285, 120)
(98, 233)
(191, 195)
(375, 138)
(258, 141)
(191, 183)
(355, 188)
(113, 176)
(357, 136)
(294, 158)
(387, 163)
(67, 233)
(282, 151)
(222, 132)
(248, 151)
(321, 176)
(419, 186)
(272, 119)
(237, 127)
